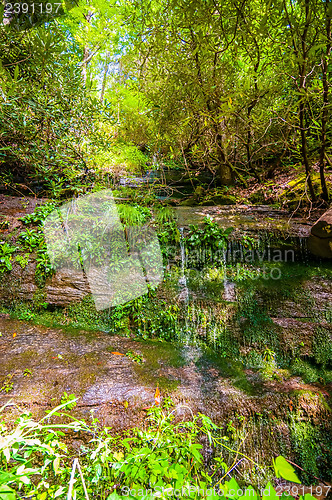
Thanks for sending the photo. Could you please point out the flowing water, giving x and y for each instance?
(183, 280)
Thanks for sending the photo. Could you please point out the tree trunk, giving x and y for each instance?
(304, 151)
(103, 85)
(302, 72)
(86, 54)
(225, 172)
(251, 168)
(86, 51)
(325, 60)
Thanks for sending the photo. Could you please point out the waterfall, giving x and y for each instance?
(304, 252)
(229, 287)
(184, 294)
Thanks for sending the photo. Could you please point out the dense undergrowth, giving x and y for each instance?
(164, 458)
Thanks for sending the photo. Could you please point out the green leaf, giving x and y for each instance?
(56, 465)
(249, 493)
(233, 487)
(285, 470)
(6, 477)
(16, 72)
(7, 493)
(269, 493)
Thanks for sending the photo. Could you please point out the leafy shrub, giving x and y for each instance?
(6, 252)
(31, 239)
(22, 260)
(163, 458)
(133, 215)
(211, 235)
(39, 214)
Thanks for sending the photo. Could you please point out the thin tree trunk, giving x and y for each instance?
(103, 85)
(86, 51)
(302, 71)
(225, 172)
(251, 168)
(304, 151)
(325, 59)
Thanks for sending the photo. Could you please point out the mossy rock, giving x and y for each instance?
(320, 240)
(219, 200)
(189, 202)
(257, 197)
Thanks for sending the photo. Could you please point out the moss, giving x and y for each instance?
(293, 194)
(155, 352)
(20, 362)
(166, 384)
(322, 346)
(308, 373)
(156, 357)
(87, 379)
(228, 368)
(312, 445)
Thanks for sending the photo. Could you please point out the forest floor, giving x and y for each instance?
(286, 187)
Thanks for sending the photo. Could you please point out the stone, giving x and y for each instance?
(64, 287)
(320, 239)
(46, 362)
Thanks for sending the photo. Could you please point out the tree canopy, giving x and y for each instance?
(236, 87)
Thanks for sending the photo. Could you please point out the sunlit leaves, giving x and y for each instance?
(285, 470)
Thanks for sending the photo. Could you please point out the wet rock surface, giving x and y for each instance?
(16, 206)
(64, 287)
(320, 239)
(40, 364)
(250, 218)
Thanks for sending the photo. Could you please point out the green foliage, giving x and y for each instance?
(43, 266)
(164, 457)
(84, 98)
(6, 252)
(26, 314)
(285, 470)
(130, 156)
(4, 224)
(7, 384)
(135, 356)
(210, 236)
(164, 215)
(23, 260)
(309, 444)
(322, 346)
(308, 372)
(243, 272)
(169, 238)
(39, 215)
(133, 215)
(69, 400)
(31, 239)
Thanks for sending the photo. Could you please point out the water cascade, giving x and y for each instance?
(184, 294)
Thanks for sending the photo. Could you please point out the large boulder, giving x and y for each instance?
(64, 287)
(320, 239)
